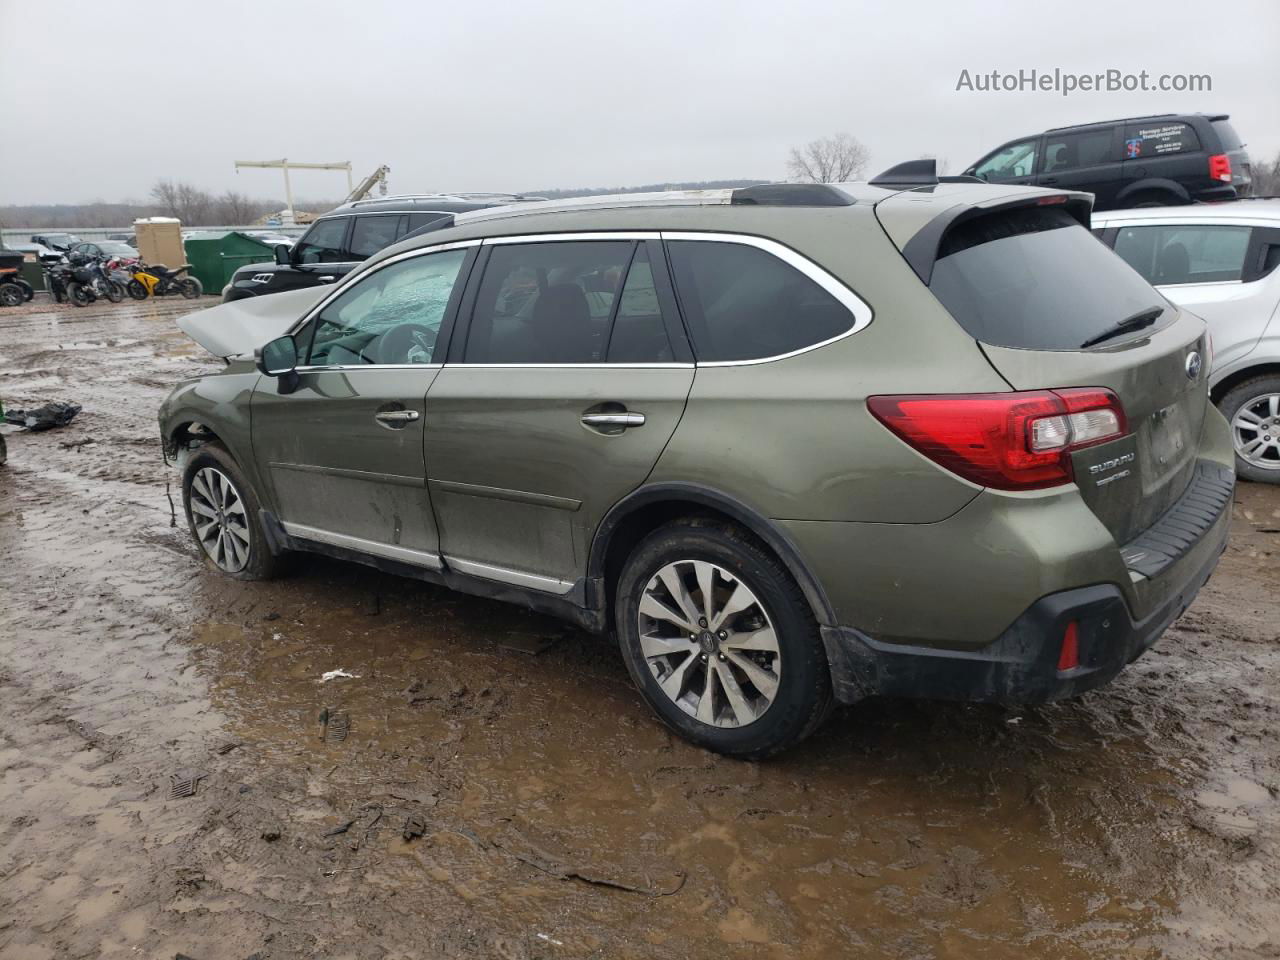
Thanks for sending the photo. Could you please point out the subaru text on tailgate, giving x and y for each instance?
(791, 444)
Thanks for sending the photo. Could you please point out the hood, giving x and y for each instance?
(240, 327)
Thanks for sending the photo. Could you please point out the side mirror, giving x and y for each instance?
(284, 256)
(277, 358)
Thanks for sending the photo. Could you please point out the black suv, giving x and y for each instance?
(353, 232)
(1154, 161)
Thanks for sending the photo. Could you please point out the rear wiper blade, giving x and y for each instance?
(1143, 318)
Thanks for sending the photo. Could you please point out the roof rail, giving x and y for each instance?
(792, 195)
(1097, 123)
(409, 196)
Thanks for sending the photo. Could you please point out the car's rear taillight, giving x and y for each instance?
(1220, 167)
(1009, 441)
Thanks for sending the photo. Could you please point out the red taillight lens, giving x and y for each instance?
(1009, 441)
(1069, 655)
(1220, 167)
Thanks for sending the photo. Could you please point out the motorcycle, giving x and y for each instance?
(89, 281)
(57, 276)
(157, 280)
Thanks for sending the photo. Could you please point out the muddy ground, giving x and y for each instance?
(557, 818)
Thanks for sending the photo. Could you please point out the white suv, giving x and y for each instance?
(1219, 260)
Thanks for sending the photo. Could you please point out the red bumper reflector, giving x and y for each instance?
(1069, 658)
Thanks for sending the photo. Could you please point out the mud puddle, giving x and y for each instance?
(487, 784)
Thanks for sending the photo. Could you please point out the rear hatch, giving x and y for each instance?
(1048, 305)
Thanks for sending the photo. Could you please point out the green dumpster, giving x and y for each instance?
(216, 256)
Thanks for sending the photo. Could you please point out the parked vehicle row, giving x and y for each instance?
(336, 243)
(793, 444)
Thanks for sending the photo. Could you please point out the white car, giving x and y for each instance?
(1219, 260)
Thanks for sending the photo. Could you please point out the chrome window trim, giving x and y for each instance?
(571, 366)
(859, 309)
(347, 367)
(579, 236)
(1216, 221)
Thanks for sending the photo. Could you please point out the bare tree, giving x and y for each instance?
(828, 160)
(188, 203)
(236, 208)
(1266, 177)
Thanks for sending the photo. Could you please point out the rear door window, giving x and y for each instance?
(323, 243)
(1182, 253)
(1070, 151)
(1227, 134)
(1033, 278)
(1145, 140)
(744, 303)
(547, 302)
(638, 334)
(371, 234)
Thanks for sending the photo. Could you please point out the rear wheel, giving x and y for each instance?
(222, 513)
(79, 294)
(1253, 410)
(114, 291)
(720, 640)
(190, 287)
(11, 295)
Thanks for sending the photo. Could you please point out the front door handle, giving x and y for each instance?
(1048, 179)
(623, 420)
(327, 278)
(396, 417)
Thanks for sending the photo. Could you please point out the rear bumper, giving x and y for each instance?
(1021, 665)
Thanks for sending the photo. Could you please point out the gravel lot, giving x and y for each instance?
(557, 819)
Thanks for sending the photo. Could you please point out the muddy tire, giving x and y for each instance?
(1252, 408)
(720, 640)
(11, 295)
(223, 516)
(114, 291)
(136, 290)
(190, 288)
(79, 294)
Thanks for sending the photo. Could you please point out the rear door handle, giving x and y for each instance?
(1048, 179)
(613, 419)
(327, 278)
(396, 416)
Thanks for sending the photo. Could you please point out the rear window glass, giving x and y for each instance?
(1034, 278)
(1227, 135)
(1145, 140)
(743, 303)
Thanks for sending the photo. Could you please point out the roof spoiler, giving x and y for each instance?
(916, 173)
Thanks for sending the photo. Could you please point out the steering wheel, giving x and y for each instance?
(407, 343)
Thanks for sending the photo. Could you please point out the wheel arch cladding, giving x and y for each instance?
(645, 510)
(1237, 377)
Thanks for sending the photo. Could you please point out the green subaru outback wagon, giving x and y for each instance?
(792, 445)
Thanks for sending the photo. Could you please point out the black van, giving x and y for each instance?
(1154, 161)
(337, 242)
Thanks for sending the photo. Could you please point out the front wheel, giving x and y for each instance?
(1253, 410)
(11, 295)
(79, 294)
(720, 640)
(114, 291)
(190, 287)
(136, 290)
(222, 514)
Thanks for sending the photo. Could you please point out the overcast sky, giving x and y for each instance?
(496, 95)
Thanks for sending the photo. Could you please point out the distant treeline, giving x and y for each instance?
(199, 208)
